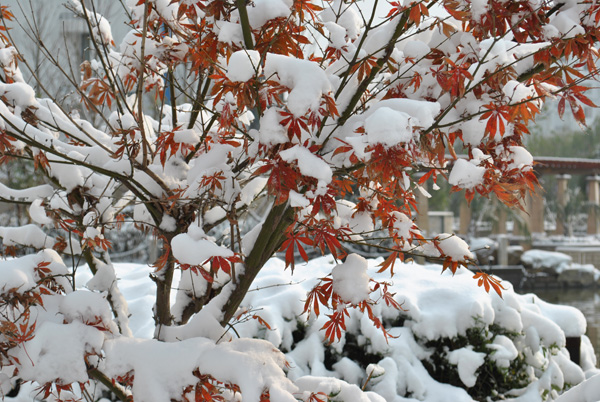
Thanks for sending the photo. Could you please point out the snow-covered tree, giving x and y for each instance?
(231, 130)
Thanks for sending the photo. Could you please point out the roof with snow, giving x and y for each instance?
(550, 165)
(558, 165)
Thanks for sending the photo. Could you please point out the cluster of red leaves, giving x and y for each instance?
(294, 243)
(246, 315)
(304, 8)
(243, 92)
(318, 233)
(40, 161)
(363, 67)
(488, 281)
(125, 380)
(326, 237)
(452, 77)
(213, 182)
(56, 388)
(127, 145)
(98, 92)
(198, 270)
(17, 333)
(166, 146)
(323, 295)
(6, 143)
(93, 242)
(207, 389)
(5, 15)
(317, 397)
(417, 10)
(574, 96)
(282, 178)
(284, 36)
(216, 264)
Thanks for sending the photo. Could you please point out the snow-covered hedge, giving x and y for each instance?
(561, 267)
(453, 341)
(551, 261)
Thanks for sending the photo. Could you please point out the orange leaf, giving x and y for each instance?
(488, 281)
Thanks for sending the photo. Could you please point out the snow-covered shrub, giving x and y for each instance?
(234, 130)
(471, 361)
(546, 261)
(561, 267)
(450, 342)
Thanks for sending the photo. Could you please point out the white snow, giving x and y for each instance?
(423, 113)
(478, 8)
(521, 158)
(454, 247)
(271, 132)
(350, 279)
(473, 131)
(404, 226)
(298, 200)
(27, 235)
(504, 351)
(551, 260)
(187, 250)
(587, 391)
(517, 92)
(87, 307)
(416, 49)
(466, 174)
(28, 194)
(243, 65)
(38, 213)
(306, 80)
(254, 365)
(58, 351)
(435, 306)
(332, 386)
(309, 164)
(388, 127)
(262, 11)
(18, 94)
(337, 34)
(468, 361)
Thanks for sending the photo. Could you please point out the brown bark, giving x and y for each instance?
(272, 235)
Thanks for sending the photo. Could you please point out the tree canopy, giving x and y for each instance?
(282, 125)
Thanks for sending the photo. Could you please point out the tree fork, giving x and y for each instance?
(107, 382)
(269, 240)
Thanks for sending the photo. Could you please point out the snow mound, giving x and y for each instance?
(449, 327)
(546, 260)
(451, 341)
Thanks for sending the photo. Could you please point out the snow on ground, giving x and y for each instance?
(542, 259)
(519, 333)
(437, 307)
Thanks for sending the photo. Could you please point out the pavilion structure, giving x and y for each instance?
(564, 169)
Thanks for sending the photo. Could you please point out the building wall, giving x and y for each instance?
(49, 24)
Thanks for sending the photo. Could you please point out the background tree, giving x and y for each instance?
(304, 104)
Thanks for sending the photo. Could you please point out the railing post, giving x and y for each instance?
(593, 190)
